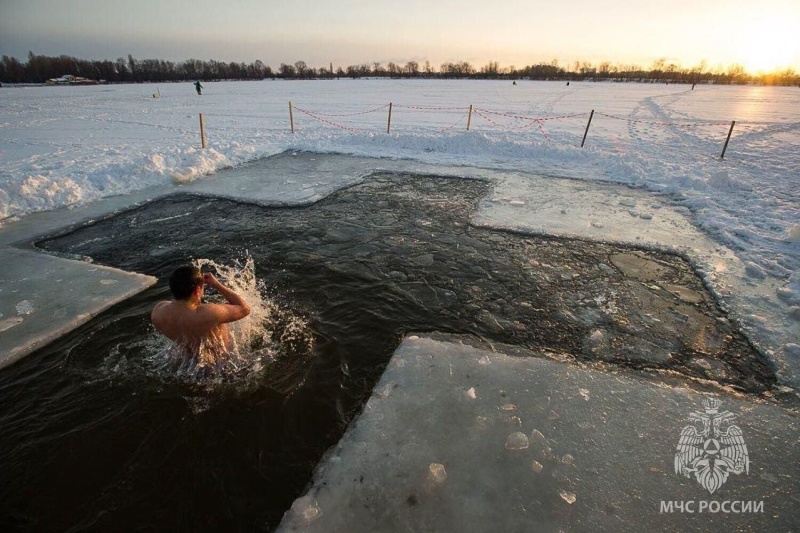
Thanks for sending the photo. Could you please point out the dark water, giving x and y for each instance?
(93, 437)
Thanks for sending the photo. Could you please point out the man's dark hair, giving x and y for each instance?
(183, 281)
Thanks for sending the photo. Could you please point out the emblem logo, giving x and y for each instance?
(711, 453)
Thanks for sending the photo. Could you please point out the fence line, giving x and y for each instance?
(490, 116)
(352, 114)
(450, 127)
(531, 123)
(521, 117)
(431, 108)
(330, 122)
(665, 123)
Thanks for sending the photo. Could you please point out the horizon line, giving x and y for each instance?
(659, 64)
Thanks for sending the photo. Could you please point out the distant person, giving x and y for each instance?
(567, 84)
(189, 322)
(198, 87)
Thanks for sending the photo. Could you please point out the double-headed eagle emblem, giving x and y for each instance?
(711, 453)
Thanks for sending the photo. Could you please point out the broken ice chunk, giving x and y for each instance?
(537, 437)
(508, 407)
(542, 403)
(536, 466)
(517, 441)
(437, 473)
(483, 422)
(568, 497)
(597, 337)
(24, 307)
(305, 510)
(793, 234)
(471, 393)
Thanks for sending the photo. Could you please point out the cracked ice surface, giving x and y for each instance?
(761, 305)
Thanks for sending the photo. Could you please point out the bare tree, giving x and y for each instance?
(287, 71)
(491, 69)
(412, 69)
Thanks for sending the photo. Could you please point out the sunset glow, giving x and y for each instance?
(773, 43)
(759, 36)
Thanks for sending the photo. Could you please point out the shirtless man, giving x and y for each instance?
(187, 321)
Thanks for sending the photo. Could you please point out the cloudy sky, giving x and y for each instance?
(758, 34)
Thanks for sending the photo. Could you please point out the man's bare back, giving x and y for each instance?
(189, 322)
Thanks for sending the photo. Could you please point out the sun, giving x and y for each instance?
(771, 42)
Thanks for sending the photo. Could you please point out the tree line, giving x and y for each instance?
(38, 69)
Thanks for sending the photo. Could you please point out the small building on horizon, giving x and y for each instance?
(69, 79)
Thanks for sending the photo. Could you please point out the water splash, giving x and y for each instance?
(271, 333)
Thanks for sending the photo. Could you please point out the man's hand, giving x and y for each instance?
(211, 281)
(236, 308)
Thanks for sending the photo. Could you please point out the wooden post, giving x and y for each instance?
(389, 123)
(291, 117)
(202, 131)
(469, 117)
(585, 133)
(733, 123)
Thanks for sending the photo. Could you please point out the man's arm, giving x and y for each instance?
(236, 308)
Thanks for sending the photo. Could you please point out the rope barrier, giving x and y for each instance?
(544, 133)
(430, 108)
(664, 123)
(351, 114)
(520, 117)
(526, 122)
(456, 123)
(531, 123)
(334, 124)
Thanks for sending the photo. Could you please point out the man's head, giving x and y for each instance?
(184, 281)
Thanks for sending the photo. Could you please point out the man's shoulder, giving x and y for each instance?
(212, 307)
(160, 308)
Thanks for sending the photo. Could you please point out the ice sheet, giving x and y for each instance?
(457, 438)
